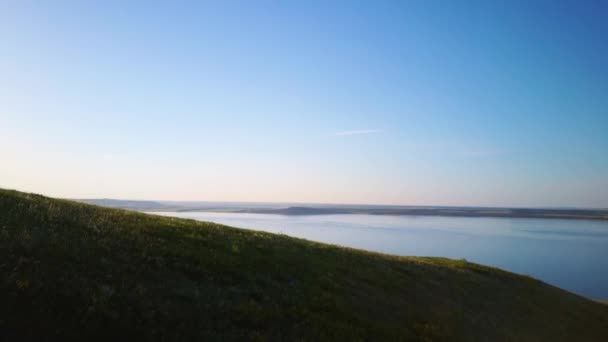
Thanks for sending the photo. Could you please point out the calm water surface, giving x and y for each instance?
(571, 254)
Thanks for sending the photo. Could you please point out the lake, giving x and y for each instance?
(571, 254)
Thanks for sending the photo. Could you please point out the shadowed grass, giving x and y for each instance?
(80, 272)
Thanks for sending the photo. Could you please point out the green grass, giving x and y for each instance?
(80, 272)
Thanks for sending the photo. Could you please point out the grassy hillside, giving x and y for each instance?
(77, 271)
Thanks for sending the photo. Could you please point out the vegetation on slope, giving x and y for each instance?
(76, 271)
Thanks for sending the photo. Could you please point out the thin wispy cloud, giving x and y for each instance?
(357, 132)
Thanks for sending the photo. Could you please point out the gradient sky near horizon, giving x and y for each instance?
(493, 103)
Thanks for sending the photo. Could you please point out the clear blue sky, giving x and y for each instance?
(404, 102)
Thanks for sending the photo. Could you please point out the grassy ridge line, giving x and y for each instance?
(79, 271)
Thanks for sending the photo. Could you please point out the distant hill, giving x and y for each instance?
(326, 209)
(579, 214)
(73, 271)
(127, 204)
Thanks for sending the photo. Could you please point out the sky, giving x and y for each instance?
(490, 103)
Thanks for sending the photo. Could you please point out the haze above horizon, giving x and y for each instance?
(390, 103)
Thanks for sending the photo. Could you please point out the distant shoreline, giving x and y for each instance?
(156, 206)
(513, 213)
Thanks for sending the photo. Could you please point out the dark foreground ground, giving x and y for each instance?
(79, 272)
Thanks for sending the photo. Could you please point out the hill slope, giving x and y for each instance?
(77, 271)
